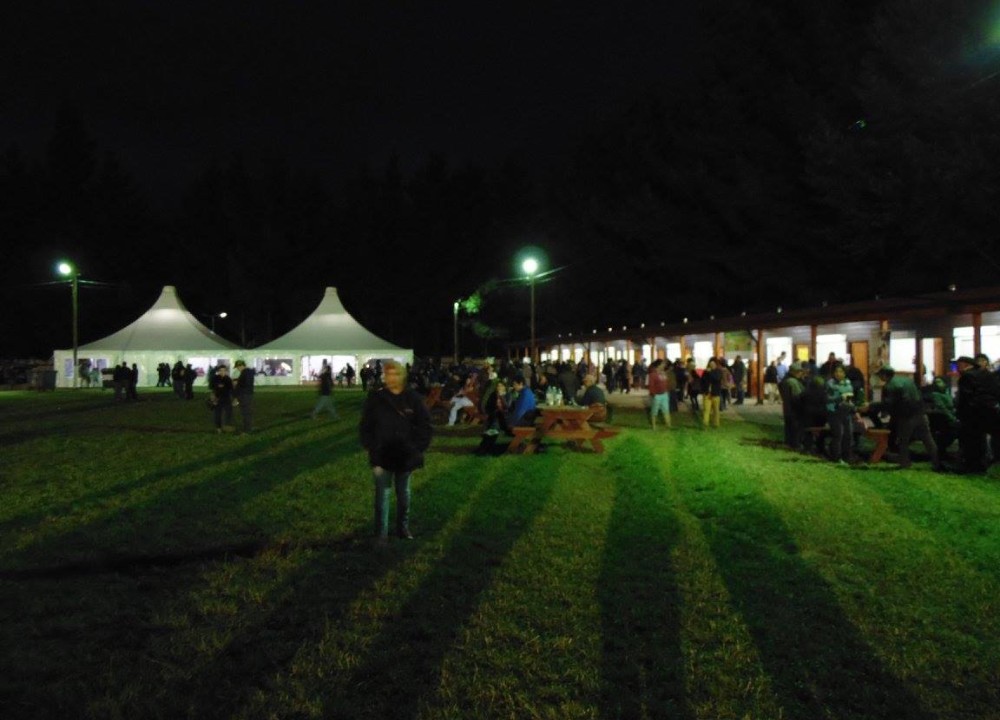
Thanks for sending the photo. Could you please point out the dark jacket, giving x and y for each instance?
(395, 430)
(222, 388)
(245, 382)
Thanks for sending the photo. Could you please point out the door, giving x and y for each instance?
(859, 358)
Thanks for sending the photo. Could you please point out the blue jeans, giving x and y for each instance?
(325, 403)
(660, 404)
(384, 482)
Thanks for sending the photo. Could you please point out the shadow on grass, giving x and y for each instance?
(818, 662)
(403, 664)
(208, 512)
(298, 613)
(642, 664)
(260, 443)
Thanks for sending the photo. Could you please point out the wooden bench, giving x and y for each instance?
(880, 436)
(819, 435)
(522, 437)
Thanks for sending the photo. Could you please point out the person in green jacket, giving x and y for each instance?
(901, 399)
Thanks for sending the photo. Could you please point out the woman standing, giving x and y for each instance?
(841, 407)
(395, 430)
(711, 386)
(659, 394)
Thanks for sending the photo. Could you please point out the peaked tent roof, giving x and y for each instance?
(167, 325)
(329, 330)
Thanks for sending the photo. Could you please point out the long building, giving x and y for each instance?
(918, 335)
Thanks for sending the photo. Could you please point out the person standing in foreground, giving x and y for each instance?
(244, 393)
(395, 430)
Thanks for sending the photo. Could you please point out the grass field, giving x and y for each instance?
(150, 568)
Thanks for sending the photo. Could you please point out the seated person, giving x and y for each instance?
(812, 406)
(569, 383)
(461, 399)
(541, 387)
(495, 406)
(520, 404)
(593, 396)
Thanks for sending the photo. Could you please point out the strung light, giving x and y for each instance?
(779, 309)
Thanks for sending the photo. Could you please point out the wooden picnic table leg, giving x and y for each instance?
(881, 438)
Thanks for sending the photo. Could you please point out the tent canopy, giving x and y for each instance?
(166, 326)
(331, 330)
(329, 333)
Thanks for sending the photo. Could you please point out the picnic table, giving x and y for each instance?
(567, 423)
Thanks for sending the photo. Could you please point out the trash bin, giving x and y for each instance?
(44, 380)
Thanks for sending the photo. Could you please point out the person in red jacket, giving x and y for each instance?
(659, 394)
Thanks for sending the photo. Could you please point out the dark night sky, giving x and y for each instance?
(718, 146)
(171, 86)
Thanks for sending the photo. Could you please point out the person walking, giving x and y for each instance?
(395, 430)
(243, 392)
(325, 401)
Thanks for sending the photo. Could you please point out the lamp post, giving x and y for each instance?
(530, 267)
(222, 315)
(71, 272)
(455, 329)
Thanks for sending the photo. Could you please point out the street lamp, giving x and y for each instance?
(530, 268)
(455, 329)
(71, 272)
(222, 315)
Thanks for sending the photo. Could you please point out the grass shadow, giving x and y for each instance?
(292, 620)
(818, 662)
(642, 662)
(403, 664)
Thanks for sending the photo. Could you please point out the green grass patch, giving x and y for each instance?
(152, 568)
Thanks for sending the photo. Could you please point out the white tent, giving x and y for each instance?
(330, 334)
(166, 332)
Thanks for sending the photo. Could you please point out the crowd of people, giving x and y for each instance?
(827, 409)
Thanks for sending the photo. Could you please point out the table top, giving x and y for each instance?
(564, 408)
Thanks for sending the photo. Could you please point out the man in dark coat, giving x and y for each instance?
(243, 392)
(977, 406)
(395, 430)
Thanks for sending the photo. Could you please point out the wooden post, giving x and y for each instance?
(759, 369)
(977, 333)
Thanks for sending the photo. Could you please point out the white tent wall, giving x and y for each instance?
(302, 362)
(145, 361)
